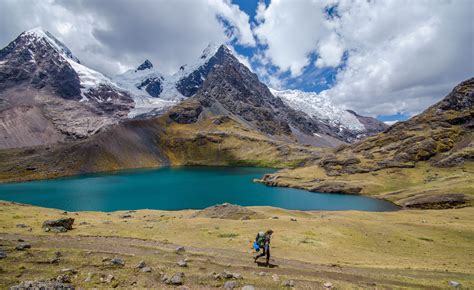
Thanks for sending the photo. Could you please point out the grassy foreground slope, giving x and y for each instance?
(425, 162)
(404, 249)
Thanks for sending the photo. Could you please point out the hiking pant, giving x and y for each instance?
(266, 251)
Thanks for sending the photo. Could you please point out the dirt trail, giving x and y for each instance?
(306, 275)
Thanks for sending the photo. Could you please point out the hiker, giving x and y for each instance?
(263, 241)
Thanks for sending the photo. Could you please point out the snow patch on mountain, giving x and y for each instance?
(320, 108)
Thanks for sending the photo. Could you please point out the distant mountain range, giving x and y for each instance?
(47, 96)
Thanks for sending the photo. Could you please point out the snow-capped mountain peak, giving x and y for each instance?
(319, 107)
(39, 33)
(145, 65)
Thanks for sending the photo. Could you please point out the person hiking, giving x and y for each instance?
(263, 241)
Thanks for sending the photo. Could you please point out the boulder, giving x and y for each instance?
(146, 269)
(328, 285)
(230, 285)
(182, 263)
(107, 279)
(176, 279)
(140, 265)
(180, 249)
(248, 287)
(22, 246)
(117, 262)
(288, 283)
(58, 226)
(454, 284)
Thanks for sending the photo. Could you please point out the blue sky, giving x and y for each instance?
(312, 79)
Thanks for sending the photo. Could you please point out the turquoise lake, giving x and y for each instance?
(177, 188)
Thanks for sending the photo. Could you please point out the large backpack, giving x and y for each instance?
(260, 238)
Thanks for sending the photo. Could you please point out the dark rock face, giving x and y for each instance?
(229, 87)
(145, 65)
(190, 85)
(153, 86)
(442, 135)
(42, 100)
(34, 61)
(186, 113)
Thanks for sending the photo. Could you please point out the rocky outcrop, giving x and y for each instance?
(228, 211)
(441, 201)
(59, 225)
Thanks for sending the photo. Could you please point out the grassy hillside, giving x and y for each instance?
(404, 249)
(425, 162)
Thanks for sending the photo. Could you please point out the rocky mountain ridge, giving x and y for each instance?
(47, 96)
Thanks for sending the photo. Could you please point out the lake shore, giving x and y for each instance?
(403, 249)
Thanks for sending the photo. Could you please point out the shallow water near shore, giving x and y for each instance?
(177, 188)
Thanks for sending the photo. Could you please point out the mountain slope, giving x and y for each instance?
(232, 120)
(426, 161)
(47, 96)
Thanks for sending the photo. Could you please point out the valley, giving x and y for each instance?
(60, 118)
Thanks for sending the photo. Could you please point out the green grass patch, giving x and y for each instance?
(228, 235)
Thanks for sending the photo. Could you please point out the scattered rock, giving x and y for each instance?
(248, 287)
(275, 277)
(182, 263)
(275, 217)
(69, 270)
(140, 265)
(146, 269)
(176, 279)
(84, 223)
(454, 284)
(3, 255)
(180, 249)
(288, 283)
(293, 220)
(64, 278)
(230, 285)
(58, 226)
(328, 285)
(117, 262)
(42, 285)
(54, 260)
(125, 216)
(108, 279)
(22, 246)
(89, 277)
(21, 226)
(262, 274)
